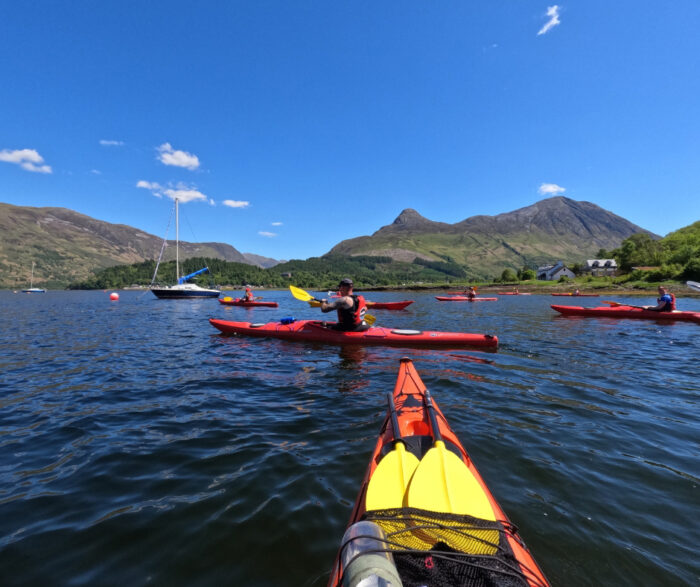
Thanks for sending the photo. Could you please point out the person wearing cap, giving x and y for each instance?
(350, 307)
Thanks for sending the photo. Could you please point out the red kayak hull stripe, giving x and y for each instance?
(314, 331)
(627, 312)
(463, 299)
(577, 295)
(248, 304)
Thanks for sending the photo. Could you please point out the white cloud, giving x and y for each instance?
(550, 189)
(106, 143)
(236, 203)
(27, 159)
(276, 223)
(267, 234)
(553, 14)
(169, 156)
(185, 195)
(149, 185)
(212, 202)
(95, 172)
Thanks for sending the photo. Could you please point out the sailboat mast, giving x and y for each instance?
(177, 244)
(31, 279)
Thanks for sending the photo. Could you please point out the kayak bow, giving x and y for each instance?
(467, 540)
(315, 331)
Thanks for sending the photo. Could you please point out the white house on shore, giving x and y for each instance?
(600, 267)
(554, 272)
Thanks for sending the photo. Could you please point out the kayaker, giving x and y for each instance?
(471, 294)
(666, 301)
(577, 292)
(351, 308)
(248, 295)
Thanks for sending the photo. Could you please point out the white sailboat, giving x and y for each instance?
(182, 289)
(33, 289)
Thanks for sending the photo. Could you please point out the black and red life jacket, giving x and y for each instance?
(669, 307)
(351, 317)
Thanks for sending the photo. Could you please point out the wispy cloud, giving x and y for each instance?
(276, 223)
(95, 172)
(236, 203)
(267, 234)
(553, 14)
(180, 192)
(169, 156)
(106, 143)
(27, 159)
(550, 189)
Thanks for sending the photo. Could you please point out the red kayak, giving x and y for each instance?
(579, 295)
(627, 312)
(463, 299)
(239, 302)
(389, 305)
(315, 331)
(423, 500)
(512, 293)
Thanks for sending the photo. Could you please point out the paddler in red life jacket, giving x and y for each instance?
(351, 308)
(248, 295)
(666, 301)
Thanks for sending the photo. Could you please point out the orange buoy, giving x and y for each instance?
(114, 296)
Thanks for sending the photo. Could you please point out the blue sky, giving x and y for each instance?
(291, 126)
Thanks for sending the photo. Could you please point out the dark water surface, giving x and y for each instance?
(138, 445)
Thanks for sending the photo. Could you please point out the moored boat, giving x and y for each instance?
(627, 312)
(316, 331)
(31, 288)
(182, 289)
(424, 514)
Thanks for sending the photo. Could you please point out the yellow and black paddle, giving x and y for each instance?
(305, 296)
(390, 479)
(443, 483)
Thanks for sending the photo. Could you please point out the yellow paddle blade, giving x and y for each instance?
(443, 483)
(370, 319)
(391, 477)
(314, 304)
(613, 304)
(300, 294)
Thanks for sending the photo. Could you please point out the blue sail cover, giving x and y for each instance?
(186, 277)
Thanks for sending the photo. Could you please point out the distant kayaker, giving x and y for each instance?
(471, 294)
(666, 301)
(351, 308)
(577, 292)
(515, 290)
(248, 295)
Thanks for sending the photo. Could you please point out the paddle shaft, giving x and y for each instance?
(394, 416)
(433, 417)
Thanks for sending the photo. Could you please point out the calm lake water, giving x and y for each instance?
(138, 445)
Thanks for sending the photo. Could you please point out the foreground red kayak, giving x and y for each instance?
(315, 331)
(239, 302)
(627, 312)
(389, 305)
(463, 299)
(577, 295)
(423, 500)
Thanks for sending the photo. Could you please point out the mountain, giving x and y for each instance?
(260, 261)
(550, 230)
(68, 246)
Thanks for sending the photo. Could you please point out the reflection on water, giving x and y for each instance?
(140, 445)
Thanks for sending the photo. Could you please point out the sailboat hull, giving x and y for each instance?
(184, 291)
